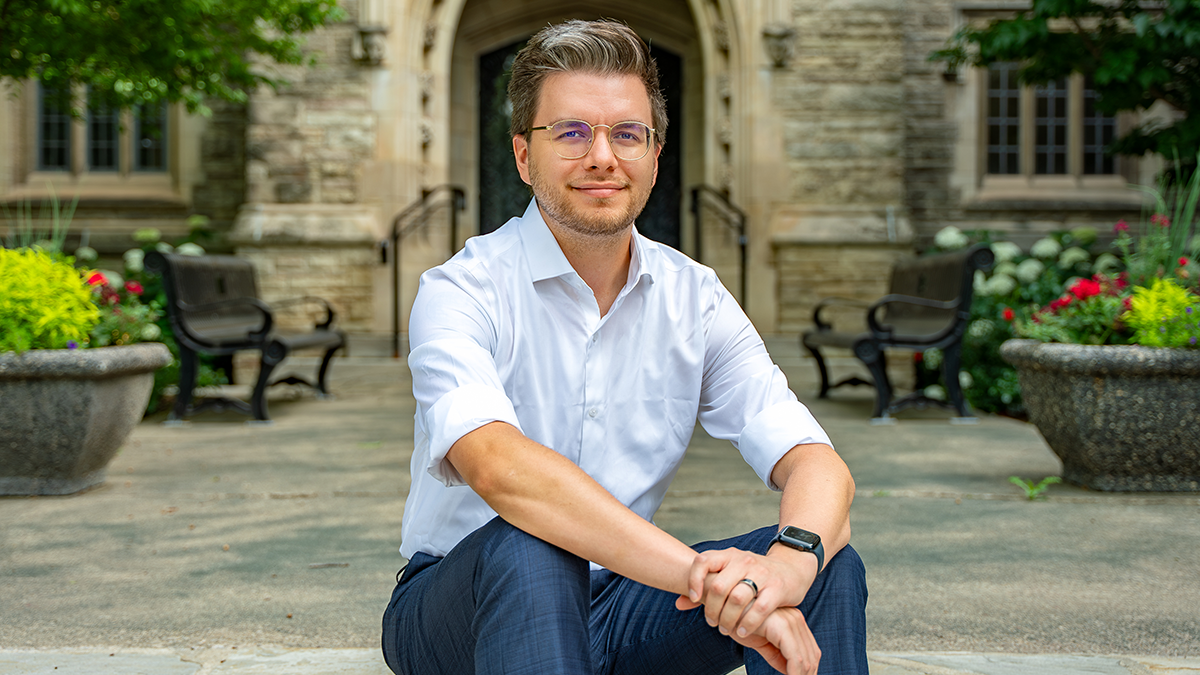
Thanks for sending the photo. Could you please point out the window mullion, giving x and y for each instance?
(1075, 126)
(1028, 114)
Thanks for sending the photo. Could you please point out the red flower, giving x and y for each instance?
(918, 357)
(1009, 314)
(1160, 219)
(1058, 304)
(1127, 303)
(1121, 226)
(1085, 288)
(97, 279)
(1122, 281)
(1183, 261)
(133, 287)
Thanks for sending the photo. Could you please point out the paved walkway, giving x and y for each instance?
(225, 548)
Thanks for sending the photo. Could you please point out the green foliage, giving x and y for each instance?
(44, 302)
(1034, 491)
(1165, 242)
(124, 319)
(135, 52)
(1006, 296)
(1164, 315)
(1079, 317)
(25, 230)
(1137, 52)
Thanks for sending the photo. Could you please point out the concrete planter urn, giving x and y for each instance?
(1121, 418)
(65, 413)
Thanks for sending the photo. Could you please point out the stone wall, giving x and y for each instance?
(341, 276)
(304, 224)
(223, 159)
(841, 102)
(809, 273)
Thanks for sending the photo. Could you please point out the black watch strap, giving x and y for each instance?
(801, 540)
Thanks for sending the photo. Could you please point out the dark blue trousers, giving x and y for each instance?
(507, 603)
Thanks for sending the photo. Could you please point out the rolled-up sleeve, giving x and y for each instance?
(455, 380)
(745, 397)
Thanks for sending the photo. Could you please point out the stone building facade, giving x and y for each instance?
(822, 121)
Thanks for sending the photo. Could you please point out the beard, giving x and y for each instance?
(605, 221)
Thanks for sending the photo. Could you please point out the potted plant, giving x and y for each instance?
(73, 379)
(1110, 370)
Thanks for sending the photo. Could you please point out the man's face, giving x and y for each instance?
(597, 194)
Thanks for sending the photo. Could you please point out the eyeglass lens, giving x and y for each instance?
(572, 139)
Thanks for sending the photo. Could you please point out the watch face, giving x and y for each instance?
(802, 537)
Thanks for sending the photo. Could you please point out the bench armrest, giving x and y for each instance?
(826, 302)
(883, 330)
(307, 299)
(253, 303)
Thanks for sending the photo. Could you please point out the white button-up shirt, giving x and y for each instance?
(507, 331)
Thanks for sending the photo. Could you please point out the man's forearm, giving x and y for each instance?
(817, 492)
(537, 490)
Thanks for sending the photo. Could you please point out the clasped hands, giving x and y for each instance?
(761, 615)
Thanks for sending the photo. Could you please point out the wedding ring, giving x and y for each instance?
(752, 585)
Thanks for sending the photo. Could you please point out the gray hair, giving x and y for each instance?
(603, 47)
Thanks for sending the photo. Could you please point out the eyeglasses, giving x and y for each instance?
(572, 139)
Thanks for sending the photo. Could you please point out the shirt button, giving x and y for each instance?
(595, 337)
(593, 412)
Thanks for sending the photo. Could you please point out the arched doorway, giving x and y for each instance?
(489, 34)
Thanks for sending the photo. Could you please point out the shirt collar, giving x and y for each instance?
(545, 257)
(547, 261)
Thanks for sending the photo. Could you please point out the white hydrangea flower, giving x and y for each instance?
(980, 282)
(1006, 268)
(164, 247)
(980, 328)
(151, 332)
(935, 392)
(1046, 249)
(86, 254)
(950, 238)
(965, 380)
(1005, 251)
(1001, 284)
(1029, 270)
(114, 280)
(1106, 262)
(135, 259)
(933, 358)
(190, 249)
(1072, 257)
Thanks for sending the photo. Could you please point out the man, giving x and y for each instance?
(559, 366)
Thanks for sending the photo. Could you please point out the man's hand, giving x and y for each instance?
(785, 641)
(768, 622)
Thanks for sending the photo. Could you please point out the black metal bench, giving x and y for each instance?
(214, 308)
(927, 306)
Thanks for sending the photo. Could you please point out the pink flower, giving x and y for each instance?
(1009, 314)
(134, 287)
(1121, 226)
(97, 279)
(1160, 219)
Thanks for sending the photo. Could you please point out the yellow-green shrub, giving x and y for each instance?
(1164, 315)
(44, 303)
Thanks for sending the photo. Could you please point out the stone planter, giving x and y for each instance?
(65, 413)
(1121, 418)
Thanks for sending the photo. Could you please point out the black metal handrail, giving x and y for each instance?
(731, 217)
(412, 218)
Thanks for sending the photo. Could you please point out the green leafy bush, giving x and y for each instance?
(44, 303)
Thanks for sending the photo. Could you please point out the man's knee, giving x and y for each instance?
(517, 557)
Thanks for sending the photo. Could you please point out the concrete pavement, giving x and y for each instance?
(219, 547)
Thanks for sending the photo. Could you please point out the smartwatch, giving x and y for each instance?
(801, 540)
